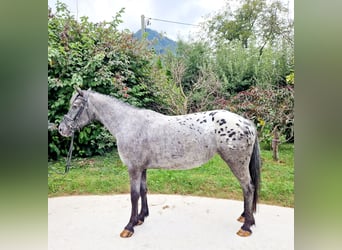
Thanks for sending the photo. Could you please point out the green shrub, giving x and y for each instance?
(269, 108)
(96, 56)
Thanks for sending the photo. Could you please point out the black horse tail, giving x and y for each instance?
(254, 171)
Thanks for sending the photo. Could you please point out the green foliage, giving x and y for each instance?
(269, 108)
(207, 79)
(195, 56)
(290, 78)
(207, 92)
(241, 68)
(238, 26)
(173, 100)
(255, 19)
(99, 57)
(253, 46)
(235, 67)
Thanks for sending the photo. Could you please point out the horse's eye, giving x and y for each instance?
(74, 107)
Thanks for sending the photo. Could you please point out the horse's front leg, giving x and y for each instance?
(135, 181)
(143, 193)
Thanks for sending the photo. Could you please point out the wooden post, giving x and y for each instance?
(275, 143)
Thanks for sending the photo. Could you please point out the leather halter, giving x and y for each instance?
(72, 122)
(74, 125)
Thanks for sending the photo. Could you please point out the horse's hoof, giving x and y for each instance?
(241, 219)
(243, 233)
(139, 222)
(126, 233)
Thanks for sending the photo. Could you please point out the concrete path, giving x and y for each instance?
(175, 222)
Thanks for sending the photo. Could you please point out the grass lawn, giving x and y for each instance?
(107, 175)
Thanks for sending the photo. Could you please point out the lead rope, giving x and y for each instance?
(67, 167)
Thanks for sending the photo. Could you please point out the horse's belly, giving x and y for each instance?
(179, 164)
(182, 156)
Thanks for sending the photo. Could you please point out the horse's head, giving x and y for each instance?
(77, 116)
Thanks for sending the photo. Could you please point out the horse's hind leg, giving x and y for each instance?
(241, 170)
(135, 182)
(247, 216)
(143, 193)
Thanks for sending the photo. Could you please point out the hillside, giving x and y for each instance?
(160, 43)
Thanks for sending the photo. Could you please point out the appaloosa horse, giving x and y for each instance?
(147, 139)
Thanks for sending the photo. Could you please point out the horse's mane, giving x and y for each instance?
(113, 98)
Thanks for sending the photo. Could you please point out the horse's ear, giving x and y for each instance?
(78, 90)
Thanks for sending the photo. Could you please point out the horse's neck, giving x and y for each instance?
(109, 111)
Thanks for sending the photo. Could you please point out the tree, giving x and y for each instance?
(274, 27)
(228, 26)
(254, 19)
(253, 45)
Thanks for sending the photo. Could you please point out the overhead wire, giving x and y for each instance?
(168, 21)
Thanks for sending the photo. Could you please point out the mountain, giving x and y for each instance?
(160, 43)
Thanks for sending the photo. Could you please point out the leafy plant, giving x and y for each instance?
(96, 56)
(270, 108)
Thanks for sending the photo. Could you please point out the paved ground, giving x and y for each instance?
(175, 222)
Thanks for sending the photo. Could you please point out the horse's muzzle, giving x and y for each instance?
(64, 130)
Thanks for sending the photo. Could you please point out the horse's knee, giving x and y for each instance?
(135, 195)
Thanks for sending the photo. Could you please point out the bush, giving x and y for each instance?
(99, 57)
(270, 108)
(207, 77)
(241, 68)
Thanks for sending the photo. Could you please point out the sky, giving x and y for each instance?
(184, 11)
